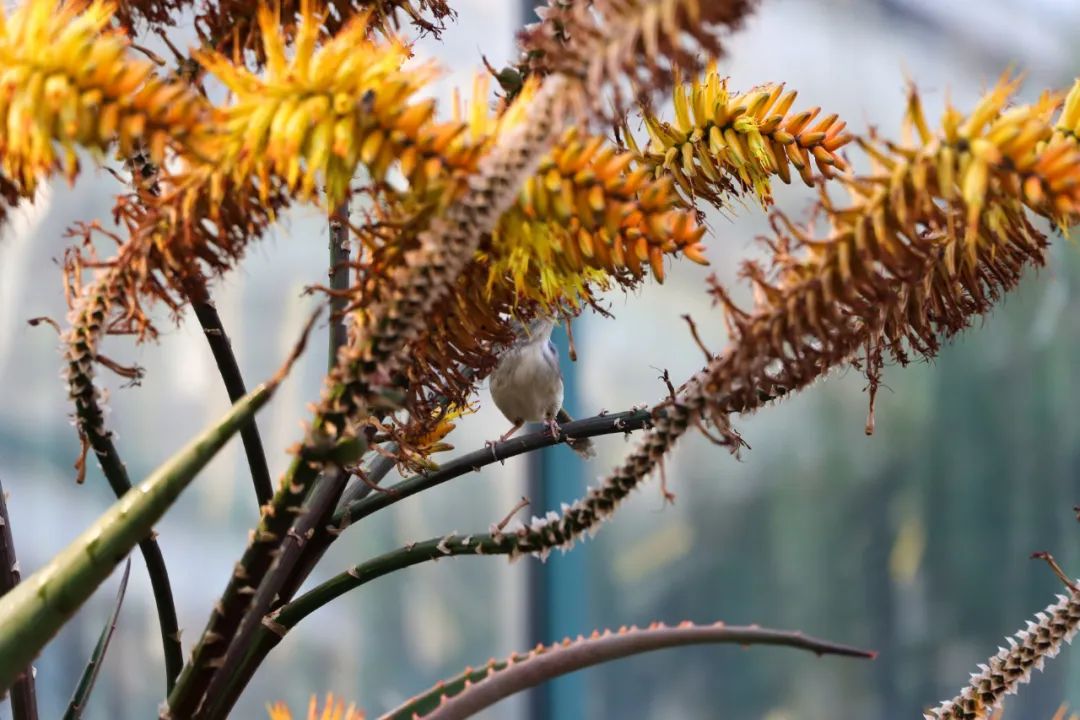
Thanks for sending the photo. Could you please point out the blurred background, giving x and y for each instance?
(913, 542)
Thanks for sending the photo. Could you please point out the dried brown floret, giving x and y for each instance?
(230, 26)
(605, 43)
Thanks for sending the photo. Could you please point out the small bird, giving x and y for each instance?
(527, 384)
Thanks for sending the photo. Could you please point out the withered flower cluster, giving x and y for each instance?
(927, 243)
(228, 26)
(643, 41)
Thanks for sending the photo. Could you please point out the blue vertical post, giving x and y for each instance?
(558, 600)
(557, 589)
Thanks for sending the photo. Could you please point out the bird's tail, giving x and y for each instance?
(582, 446)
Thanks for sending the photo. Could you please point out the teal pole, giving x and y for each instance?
(557, 588)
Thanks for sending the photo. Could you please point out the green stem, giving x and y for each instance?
(234, 386)
(429, 550)
(273, 628)
(377, 469)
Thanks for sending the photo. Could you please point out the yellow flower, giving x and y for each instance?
(322, 112)
(430, 437)
(331, 711)
(1069, 122)
(66, 80)
(588, 215)
(721, 143)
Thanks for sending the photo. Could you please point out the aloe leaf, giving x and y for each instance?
(475, 689)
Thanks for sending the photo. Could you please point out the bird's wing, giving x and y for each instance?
(551, 357)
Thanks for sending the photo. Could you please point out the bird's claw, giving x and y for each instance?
(554, 428)
(492, 444)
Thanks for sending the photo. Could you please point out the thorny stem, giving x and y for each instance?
(577, 654)
(225, 688)
(220, 346)
(23, 693)
(338, 271)
(339, 278)
(546, 663)
(367, 480)
(277, 624)
(413, 554)
(82, 354)
(607, 424)
(363, 503)
(359, 384)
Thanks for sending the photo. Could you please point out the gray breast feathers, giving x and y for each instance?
(527, 384)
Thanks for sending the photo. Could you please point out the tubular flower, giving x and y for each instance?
(585, 215)
(926, 244)
(588, 215)
(322, 112)
(66, 81)
(228, 25)
(721, 142)
(332, 710)
(1068, 123)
